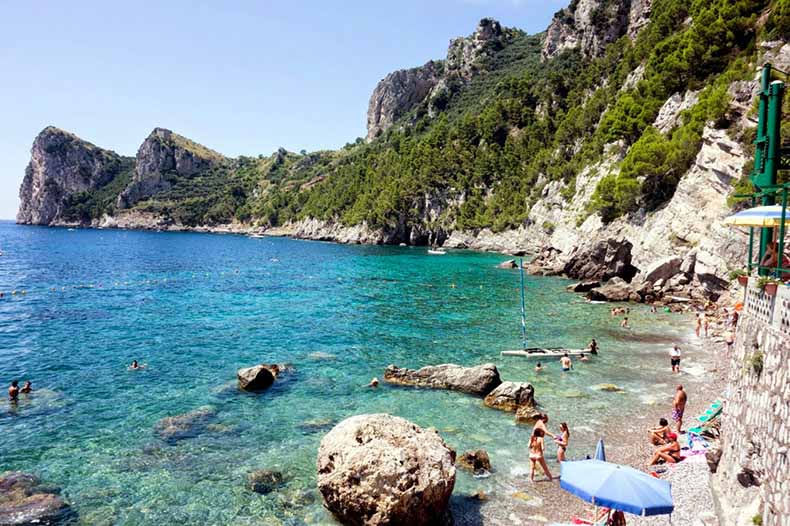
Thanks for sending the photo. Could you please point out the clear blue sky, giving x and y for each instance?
(241, 77)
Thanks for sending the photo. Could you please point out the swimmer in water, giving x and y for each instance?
(27, 388)
(135, 366)
(538, 367)
(583, 358)
(593, 346)
(624, 324)
(13, 391)
(566, 363)
(374, 382)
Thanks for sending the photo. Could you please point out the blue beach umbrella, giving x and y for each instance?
(616, 487)
(600, 451)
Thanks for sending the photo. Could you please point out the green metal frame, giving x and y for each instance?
(767, 161)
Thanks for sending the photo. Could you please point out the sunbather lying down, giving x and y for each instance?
(669, 453)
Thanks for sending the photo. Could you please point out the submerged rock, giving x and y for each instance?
(511, 396)
(264, 481)
(479, 380)
(258, 377)
(476, 461)
(584, 286)
(609, 388)
(381, 469)
(24, 501)
(187, 425)
(527, 414)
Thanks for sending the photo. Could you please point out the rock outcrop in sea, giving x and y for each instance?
(511, 396)
(479, 380)
(258, 377)
(62, 165)
(24, 500)
(162, 156)
(186, 425)
(379, 469)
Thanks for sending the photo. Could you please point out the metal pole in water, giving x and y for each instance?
(523, 307)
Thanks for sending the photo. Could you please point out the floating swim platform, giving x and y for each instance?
(547, 352)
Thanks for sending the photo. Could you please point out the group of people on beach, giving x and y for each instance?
(537, 445)
(664, 437)
(14, 390)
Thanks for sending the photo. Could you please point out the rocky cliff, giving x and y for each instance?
(405, 89)
(163, 156)
(589, 25)
(62, 165)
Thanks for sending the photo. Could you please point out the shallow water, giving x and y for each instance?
(196, 307)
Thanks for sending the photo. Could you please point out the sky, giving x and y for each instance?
(241, 77)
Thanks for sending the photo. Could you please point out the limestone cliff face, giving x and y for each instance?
(163, 156)
(589, 25)
(401, 91)
(61, 165)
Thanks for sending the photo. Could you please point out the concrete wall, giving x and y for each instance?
(754, 471)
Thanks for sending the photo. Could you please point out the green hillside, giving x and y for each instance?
(494, 142)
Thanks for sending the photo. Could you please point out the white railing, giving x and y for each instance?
(771, 310)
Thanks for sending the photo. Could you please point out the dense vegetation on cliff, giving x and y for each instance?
(485, 146)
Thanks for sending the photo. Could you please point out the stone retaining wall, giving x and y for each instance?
(753, 476)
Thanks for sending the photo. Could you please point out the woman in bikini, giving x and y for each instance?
(562, 441)
(536, 448)
(669, 453)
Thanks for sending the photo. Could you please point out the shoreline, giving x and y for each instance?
(519, 501)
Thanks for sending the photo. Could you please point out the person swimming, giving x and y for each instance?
(593, 346)
(27, 388)
(566, 363)
(538, 367)
(136, 366)
(13, 391)
(583, 358)
(374, 382)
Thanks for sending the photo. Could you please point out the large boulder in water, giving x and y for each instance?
(479, 380)
(381, 469)
(476, 461)
(23, 501)
(187, 425)
(258, 377)
(601, 260)
(510, 396)
(615, 289)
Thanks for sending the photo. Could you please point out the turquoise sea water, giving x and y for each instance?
(196, 307)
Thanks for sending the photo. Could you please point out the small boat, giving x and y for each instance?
(437, 251)
(257, 236)
(537, 352)
(546, 352)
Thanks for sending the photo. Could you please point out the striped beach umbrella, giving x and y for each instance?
(762, 216)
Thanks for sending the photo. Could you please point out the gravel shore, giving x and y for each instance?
(626, 443)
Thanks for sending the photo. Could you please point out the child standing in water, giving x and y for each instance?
(536, 449)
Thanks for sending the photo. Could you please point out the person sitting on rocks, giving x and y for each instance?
(669, 452)
(658, 435)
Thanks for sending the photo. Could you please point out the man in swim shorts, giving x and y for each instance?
(678, 407)
(13, 391)
(565, 362)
